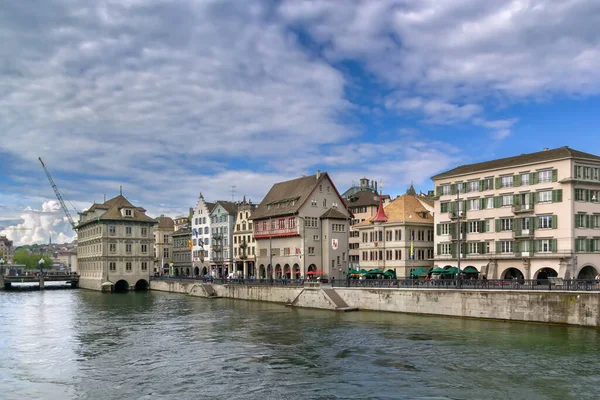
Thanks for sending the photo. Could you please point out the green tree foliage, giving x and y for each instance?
(31, 261)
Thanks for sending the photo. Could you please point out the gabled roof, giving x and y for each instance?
(405, 208)
(524, 159)
(210, 206)
(165, 222)
(113, 213)
(185, 231)
(291, 193)
(228, 206)
(364, 199)
(333, 214)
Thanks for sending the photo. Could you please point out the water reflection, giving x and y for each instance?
(68, 344)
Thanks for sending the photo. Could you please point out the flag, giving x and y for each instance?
(412, 251)
(201, 243)
(195, 232)
(190, 243)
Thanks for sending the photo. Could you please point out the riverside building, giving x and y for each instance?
(114, 246)
(399, 238)
(301, 230)
(530, 216)
(163, 244)
(244, 245)
(201, 237)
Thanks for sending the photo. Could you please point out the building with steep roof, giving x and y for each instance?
(181, 259)
(365, 185)
(6, 249)
(301, 229)
(163, 243)
(399, 237)
(222, 224)
(201, 236)
(530, 216)
(244, 244)
(114, 249)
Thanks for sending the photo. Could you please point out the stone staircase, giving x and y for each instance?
(340, 304)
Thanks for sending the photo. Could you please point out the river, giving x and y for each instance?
(81, 344)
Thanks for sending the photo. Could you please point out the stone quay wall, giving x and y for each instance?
(556, 307)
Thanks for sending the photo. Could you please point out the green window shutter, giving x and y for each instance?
(453, 188)
(481, 186)
(554, 175)
(535, 197)
(534, 178)
(517, 180)
(481, 203)
(532, 223)
(517, 248)
(439, 249)
(497, 225)
(439, 229)
(452, 207)
(465, 204)
(554, 245)
(517, 200)
(587, 221)
(480, 226)
(537, 245)
(497, 202)
(554, 222)
(498, 247)
(498, 183)
(453, 249)
(480, 248)
(557, 196)
(438, 190)
(590, 245)
(587, 195)
(535, 223)
(465, 187)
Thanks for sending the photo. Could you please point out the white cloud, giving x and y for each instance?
(38, 226)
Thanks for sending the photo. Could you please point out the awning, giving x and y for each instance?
(375, 271)
(451, 270)
(419, 271)
(389, 272)
(438, 271)
(470, 270)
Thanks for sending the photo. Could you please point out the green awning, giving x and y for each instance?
(389, 272)
(470, 270)
(419, 271)
(451, 270)
(375, 271)
(438, 271)
(353, 272)
(363, 271)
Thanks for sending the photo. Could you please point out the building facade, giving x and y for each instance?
(301, 230)
(6, 250)
(114, 249)
(222, 224)
(163, 244)
(531, 216)
(363, 206)
(244, 245)
(181, 261)
(201, 237)
(400, 237)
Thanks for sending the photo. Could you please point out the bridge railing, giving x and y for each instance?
(225, 281)
(479, 284)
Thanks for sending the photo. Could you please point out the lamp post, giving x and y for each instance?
(41, 264)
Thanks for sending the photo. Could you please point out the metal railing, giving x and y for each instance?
(225, 281)
(478, 284)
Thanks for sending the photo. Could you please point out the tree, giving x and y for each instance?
(31, 261)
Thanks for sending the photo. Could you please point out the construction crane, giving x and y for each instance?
(58, 195)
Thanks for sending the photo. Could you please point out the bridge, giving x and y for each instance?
(7, 281)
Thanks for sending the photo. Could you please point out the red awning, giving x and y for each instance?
(311, 273)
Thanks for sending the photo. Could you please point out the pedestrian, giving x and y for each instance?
(598, 280)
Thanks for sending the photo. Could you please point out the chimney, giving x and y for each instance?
(121, 190)
(318, 174)
(545, 149)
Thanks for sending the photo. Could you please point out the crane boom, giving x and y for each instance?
(58, 195)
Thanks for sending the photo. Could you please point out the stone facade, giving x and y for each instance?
(115, 241)
(163, 244)
(182, 252)
(301, 229)
(528, 216)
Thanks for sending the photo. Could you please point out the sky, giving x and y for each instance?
(173, 99)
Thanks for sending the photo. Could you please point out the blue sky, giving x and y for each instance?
(170, 99)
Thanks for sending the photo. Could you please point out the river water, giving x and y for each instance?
(81, 344)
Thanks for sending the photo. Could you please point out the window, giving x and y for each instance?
(311, 222)
(545, 196)
(578, 172)
(311, 251)
(397, 235)
(545, 176)
(526, 224)
(545, 222)
(128, 266)
(128, 230)
(112, 247)
(316, 238)
(473, 247)
(128, 213)
(313, 202)
(430, 235)
(507, 200)
(506, 181)
(489, 202)
(524, 179)
(595, 221)
(166, 251)
(445, 190)
(580, 244)
(144, 248)
(594, 196)
(324, 202)
(112, 230)
(473, 226)
(286, 251)
(580, 220)
(474, 186)
(545, 245)
(488, 183)
(206, 241)
(445, 248)
(506, 224)
(474, 204)
(444, 207)
(128, 248)
(579, 194)
(144, 266)
(444, 229)
(144, 232)
(506, 246)
(112, 266)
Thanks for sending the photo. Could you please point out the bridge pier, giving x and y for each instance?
(41, 282)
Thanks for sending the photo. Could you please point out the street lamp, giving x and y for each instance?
(41, 263)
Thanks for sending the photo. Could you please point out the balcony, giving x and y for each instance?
(523, 233)
(277, 232)
(456, 214)
(523, 209)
